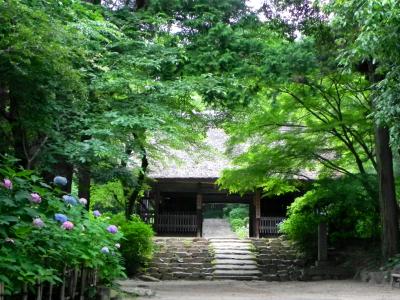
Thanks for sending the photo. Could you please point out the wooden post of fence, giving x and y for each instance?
(25, 292)
(199, 208)
(1, 291)
(322, 243)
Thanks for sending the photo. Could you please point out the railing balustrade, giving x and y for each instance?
(177, 223)
(269, 225)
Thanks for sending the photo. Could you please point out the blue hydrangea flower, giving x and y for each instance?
(112, 229)
(60, 218)
(61, 181)
(70, 200)
(105, 250)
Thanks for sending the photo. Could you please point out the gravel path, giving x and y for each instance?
(217, 228)
(257, 290)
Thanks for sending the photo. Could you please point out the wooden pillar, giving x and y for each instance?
(156, 208)
(251, 218)
(257, 213)
(199, 209)
(322, 242)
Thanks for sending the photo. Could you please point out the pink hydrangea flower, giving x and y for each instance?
(83, 201)
(38, 223)
(112, 229)
(35, 198)
(7, 183)
(67, 225)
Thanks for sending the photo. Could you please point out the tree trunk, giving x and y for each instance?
(387, 195)
(132, 200)
(61, 168)
(139, 4)
(387, 192)
(18, 132)
(84, 176)
(96, 2)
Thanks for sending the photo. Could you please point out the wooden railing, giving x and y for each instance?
(176, 223)
(269, 225)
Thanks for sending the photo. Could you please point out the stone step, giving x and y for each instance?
(233, 245)
(227, 240)
(230, 277)
(235, 256)
(233, 262)
(235, 267)
(233, 251)
(230, 247)
(236, 273)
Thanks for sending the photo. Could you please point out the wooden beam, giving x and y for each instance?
(199, 208)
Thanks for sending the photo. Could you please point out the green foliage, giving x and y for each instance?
(238, 217)
(30, 253)
(137, 245)
(107, 197)
(343, 203)
(302, 103)
(236, 223)
(240, 212)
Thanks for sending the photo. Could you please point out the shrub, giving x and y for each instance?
(236, 224)
(344, 204)
(239, 213)
(137, 245)
(36, 240)
(238, 217)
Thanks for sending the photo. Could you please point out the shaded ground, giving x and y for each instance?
(217, 228)
(256, 290)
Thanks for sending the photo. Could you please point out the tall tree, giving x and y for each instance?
(366, 31)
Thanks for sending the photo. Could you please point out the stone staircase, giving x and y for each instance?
(269, 259)
(233, 259)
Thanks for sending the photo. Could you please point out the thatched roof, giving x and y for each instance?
(200, 164)
(196, 162)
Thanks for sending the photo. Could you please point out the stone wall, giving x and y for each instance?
(180, 258)
(278, 259)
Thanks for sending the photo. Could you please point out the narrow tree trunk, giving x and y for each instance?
(140, 4)
(131, 201)
(84, 176)
(17, 132)
(387, 195)
(61, 168)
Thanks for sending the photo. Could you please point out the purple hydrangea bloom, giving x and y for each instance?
(83, 201)
(96, 213)
(35, 198)
(70, 200)
(7, 183)
(38, 223)
(60, 181)
(112, 229)
(60, 218)
(67, 225)
(105, 250)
